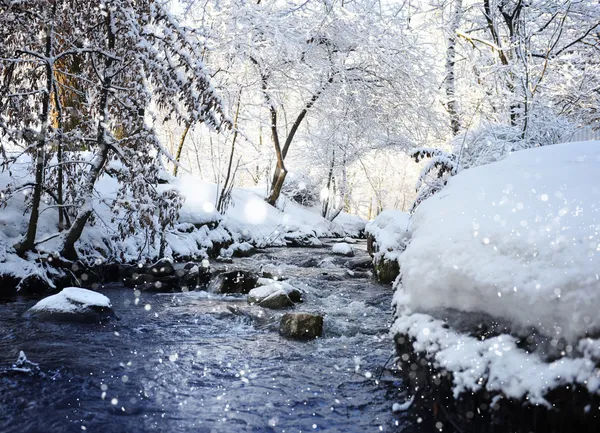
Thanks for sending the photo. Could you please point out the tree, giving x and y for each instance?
(130, 54)
(143, 39)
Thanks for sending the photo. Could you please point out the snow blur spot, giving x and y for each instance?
(255, 211)
(208, 207)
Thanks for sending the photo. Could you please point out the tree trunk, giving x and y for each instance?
(277, 185)
(452, 105)
(180, 147)
(28, 242)
(221, 201)
(100, 157)
(325, 206)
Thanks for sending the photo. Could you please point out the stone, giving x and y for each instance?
(73, 304)
(387, 270)
(276, 301)
(358, 274)
(360, 263)
(302, 240)
(343, 249)
(303, 326)
(269, 287)
(233, 282)
(312, 262)
(162, 268)
(137, 279)
(161, 285)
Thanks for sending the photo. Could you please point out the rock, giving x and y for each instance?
(302, 240)
(276, 301)
(73, 304)
(268, 287)
(360, 263)
(331, 277)
(222, 259)
(387, 270)
(243, 250)
(301, 325)
(350, 240)
(161, 285)
(372, 246)
(233, 282)
(190, 265)
(342, 249)
(137, 279)
(162, 268)
(358, 274)
(194, 276)
(312, 262)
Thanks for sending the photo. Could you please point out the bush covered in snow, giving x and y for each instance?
(483, 145)
(300, 188)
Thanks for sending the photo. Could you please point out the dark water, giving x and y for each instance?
(185, 363)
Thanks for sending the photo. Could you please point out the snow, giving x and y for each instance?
(495, 363)
(268, 287)
(71, 300)
(389, 230)
(401, 407)
(342, 249)
(249, 221)
(517, 239)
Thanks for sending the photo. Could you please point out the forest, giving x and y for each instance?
(290, 215)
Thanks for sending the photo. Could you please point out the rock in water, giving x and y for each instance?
(343, 249)
(162, 268)
(298, 239)
(301, 325)
(269, 287)
(233, 282)
(73, 304)
(276, 301)
(360, 263)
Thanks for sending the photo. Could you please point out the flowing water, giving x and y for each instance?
(184, 363)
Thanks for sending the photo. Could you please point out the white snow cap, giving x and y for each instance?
(72, 300)
(517, 239)
(342, 248)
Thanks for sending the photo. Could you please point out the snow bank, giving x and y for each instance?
(517, 239)
(248, 220)
(495, 363)
(389, 230)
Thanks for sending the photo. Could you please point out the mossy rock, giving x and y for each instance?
(387, 270)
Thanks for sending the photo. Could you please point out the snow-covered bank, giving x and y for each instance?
(387, 236)
(500, 281)
(199, 232)
(517, 239)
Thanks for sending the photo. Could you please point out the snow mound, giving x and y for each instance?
(342, 249)
(270, 287)
(389, 230)
(72, 301)
(517, 239)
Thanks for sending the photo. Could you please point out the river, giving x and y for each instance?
(184, 363)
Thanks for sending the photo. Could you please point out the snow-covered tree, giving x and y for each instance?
(131, 55)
